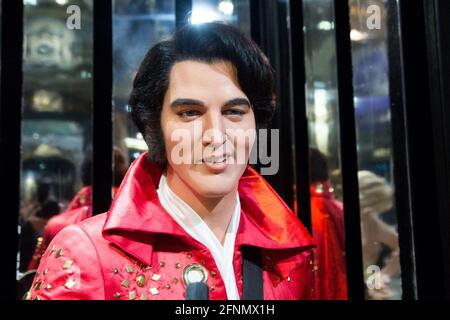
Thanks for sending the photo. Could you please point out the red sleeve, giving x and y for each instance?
(69, 269)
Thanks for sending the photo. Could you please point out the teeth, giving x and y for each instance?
(215, 160)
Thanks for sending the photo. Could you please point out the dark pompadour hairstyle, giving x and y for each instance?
(209, 42)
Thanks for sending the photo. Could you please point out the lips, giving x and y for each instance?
(215, 160)
(216, 164)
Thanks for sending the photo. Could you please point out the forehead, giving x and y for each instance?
(201, 80)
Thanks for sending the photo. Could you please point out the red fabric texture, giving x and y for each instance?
(327, 219)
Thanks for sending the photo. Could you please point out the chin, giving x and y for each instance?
(214, 186)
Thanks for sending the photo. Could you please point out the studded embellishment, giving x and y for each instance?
(117, 295)
(69, 284)
(129, 268)
(162, 264)
(194, 273)
(177, 265)
(289, 279)
(213, 273)
(67, 264)
(203, 262)
(156, 277)
(45, 272)
(125, 283)
(148, 268)
(59, 253)
(38, 285)
(48, 287)
(154, 291)
(52, 249)
(143, 297)
(167, 286)
(132, 295)
(140, 280)
(212, 288)
(175, 280)
(115, 271)
(189, 255)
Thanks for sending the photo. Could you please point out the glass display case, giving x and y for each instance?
(380, 246)
(56, 112)
(371, 73)
(393, 66)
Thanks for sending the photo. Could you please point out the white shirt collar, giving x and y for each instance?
(194, 225)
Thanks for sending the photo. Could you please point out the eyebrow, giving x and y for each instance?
(195, 102)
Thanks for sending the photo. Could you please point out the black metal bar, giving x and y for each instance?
(438, 26)
(298, 110)
(421, 147)
(349, 160)
(102, 111)
(255, 21)
(269, 31)
(10, 138)
(183, 9)
(400, 154)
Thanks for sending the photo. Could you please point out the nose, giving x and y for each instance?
(214, 130)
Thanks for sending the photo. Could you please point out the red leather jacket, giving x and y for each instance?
(137, 251)
(327, 217)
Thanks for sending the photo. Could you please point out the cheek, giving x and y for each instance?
(243, 138)
(168, 130)
(179, 139)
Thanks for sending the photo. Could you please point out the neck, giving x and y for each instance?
(216, 212)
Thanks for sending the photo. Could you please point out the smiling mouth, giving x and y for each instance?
(216, 160)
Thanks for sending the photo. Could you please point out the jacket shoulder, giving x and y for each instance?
(69, 268)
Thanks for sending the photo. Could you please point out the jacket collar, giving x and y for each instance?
(136, 214)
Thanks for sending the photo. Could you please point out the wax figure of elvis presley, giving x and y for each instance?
(172, 222)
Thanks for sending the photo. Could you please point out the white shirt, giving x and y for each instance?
(194, 225)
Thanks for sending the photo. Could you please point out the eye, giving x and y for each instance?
(234, 112)
(189, 113)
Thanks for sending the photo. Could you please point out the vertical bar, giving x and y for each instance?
(10, 133)
(419, 79)
(421, 151)
(349, 160)
(102, 111)
(400, 154)
(298, 110)
(437, 26)
(183, 8)
(255, 20)
(269, 31)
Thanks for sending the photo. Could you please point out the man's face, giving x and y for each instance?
(208, 127)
